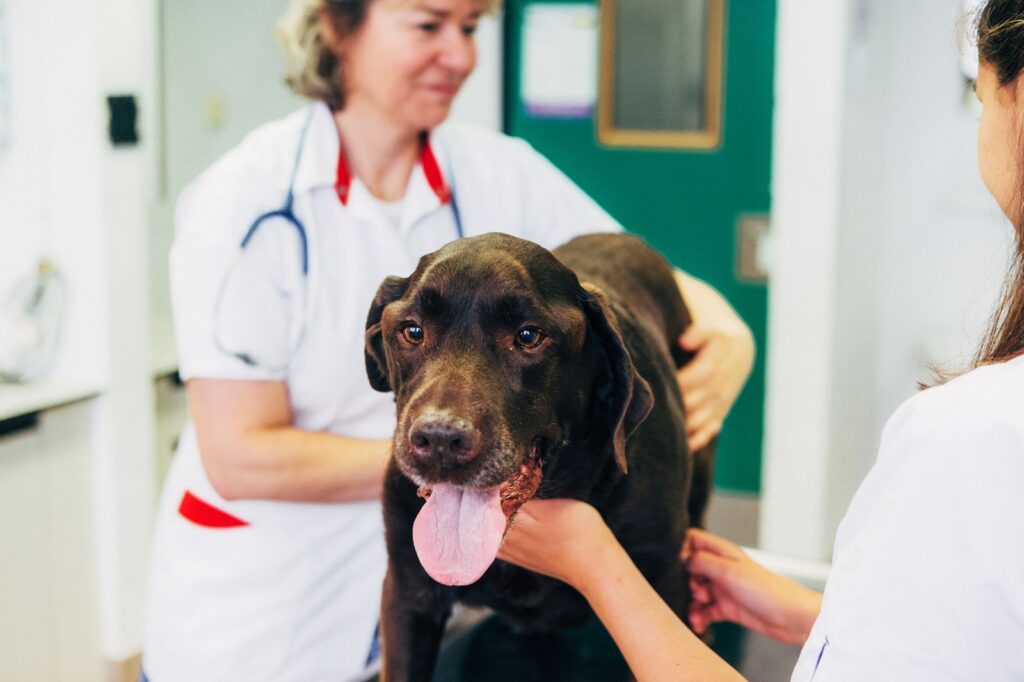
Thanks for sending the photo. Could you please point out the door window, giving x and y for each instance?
(661, 73)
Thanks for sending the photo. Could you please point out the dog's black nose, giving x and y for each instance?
(449, 440)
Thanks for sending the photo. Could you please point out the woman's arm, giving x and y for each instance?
(729, 585)
(251, 450)
(724, 347)
(656, 644)
(568, 540)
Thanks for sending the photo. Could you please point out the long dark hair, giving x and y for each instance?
(1000, 35)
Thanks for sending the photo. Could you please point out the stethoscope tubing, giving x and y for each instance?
(286, 213)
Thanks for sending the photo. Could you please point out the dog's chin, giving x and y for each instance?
(514, 490)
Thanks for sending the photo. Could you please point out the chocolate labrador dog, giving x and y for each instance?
(519, 372)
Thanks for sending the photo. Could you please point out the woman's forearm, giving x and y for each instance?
(723, 348)
(703, 300)
(251, 450)
(656, 644)
(287, 463)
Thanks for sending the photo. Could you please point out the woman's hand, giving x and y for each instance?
(558, 538)
(724, 355)
(729, 585)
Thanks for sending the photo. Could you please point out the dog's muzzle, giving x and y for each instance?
(458, 531)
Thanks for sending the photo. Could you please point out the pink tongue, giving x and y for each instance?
(458, 532)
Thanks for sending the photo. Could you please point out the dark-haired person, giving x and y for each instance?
(269, 552)
(927, 580)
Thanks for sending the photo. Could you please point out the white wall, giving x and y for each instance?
(888, 249)
(69, 194)
(946, 242)
(124, 470)
(479, 101)
(49, 194)
(48, 622)
(806, 196)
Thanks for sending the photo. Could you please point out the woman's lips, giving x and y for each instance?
(444, 90)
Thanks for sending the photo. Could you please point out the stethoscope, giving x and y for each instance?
(286, 212)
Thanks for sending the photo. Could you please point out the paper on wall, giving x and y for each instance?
(559, 60)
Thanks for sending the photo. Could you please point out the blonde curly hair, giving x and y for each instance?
(313, 69)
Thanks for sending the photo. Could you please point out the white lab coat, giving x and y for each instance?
(294, 594)
(927, 580)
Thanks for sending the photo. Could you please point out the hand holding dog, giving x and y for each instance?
(724, 355)
(559, 538)
(729, 585)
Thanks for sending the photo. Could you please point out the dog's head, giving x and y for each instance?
(498, 357)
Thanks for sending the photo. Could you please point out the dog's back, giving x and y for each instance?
(642, 290)
(631, 272)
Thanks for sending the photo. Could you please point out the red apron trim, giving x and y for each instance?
(205, 514)
(343, 178)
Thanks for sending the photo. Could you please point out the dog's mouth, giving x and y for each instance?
(459, 530)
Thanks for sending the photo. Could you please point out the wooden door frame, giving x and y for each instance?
(708, 138)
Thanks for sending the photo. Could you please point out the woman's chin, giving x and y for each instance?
(429, 115)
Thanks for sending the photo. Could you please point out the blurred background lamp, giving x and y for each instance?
(31, 317)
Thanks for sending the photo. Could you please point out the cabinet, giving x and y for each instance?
(48, 602)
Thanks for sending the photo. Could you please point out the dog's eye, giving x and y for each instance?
(413, 334)
(529, 337)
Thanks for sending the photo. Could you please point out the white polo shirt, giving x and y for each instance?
(262, 590)
(927, 580)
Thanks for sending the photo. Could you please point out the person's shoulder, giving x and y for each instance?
(500, 164)
(249, 178)
(466, 139)
(983, 406)
(264, 156)
(454, 132)
(988, 393)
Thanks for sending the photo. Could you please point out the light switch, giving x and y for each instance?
(753, 252)
(213, 111)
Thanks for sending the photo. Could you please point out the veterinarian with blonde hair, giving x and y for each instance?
(269, 554)
(927, 579)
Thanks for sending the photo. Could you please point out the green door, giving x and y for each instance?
(687, 203)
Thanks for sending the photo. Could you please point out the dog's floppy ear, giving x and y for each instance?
(391, 289)
(628, 393)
